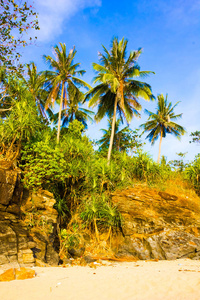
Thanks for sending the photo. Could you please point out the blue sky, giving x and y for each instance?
(167, 30)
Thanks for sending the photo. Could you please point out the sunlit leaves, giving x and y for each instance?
(16, 18)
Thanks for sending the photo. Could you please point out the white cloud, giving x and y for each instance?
(52, 15)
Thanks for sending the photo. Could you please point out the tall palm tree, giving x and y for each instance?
(73, 110)
(161, 122)
(64, 73)
(117, 91)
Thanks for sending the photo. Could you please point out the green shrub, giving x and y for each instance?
(192, 174)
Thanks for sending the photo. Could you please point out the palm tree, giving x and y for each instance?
(160, 123)
(74, 111)
(36, 85)
(124, 139)
(63, 74)
(6, 81)
(117, 91)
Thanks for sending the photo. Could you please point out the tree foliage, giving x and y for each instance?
(125, 139)
(20, 125)
(195, 137)
(80, 177)
(74, 109)
(162, 122)
(58, 167)
(35, 82)
(117, 90)
(64, 73)
(16, 18)
(192, 173)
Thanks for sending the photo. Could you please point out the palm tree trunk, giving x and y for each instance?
(109, 233)
(59, 118)
(96, 230)
(113, 129)
(158, 161)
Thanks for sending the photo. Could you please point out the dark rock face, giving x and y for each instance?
(76, 252)
(8, 180)
(158, 225)
(27, 223)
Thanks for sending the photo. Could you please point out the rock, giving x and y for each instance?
(179, 244)
(88, 259)
(76, 252)
(8, 180)
(44, 237)
(39, 263)
(13, 209)
(31, 245)
(44, 249)
(8, 275)
(8, 241)
(43, 202)
(155, 249)
(167, 196)
(26, 257)
(133, 247)
(39, 251)
(24, 273)
(18, 274)
(4, 259)
(66, 261)
(5, 216)
(157, 229)
(52, 257)
(27, 223)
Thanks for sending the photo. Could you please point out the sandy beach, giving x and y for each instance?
(141, 280)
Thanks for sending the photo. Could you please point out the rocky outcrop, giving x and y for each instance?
(158, 225)
(27, 223)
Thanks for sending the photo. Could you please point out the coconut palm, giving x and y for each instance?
(35, 82)
(73, 110)
(117, 91)
(161, 122)
(63, 74)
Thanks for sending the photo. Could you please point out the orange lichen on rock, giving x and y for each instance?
(8, 275)
(24, 273)
(18, 274)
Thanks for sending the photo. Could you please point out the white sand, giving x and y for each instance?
(163, 280)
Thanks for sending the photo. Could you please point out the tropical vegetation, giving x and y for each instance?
(117, 90)
(162, 122)
(43, 122)
(64, 74)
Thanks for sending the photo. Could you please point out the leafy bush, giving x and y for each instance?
(99, 213)
(20, 125)
(68, 239)
(60, 168)
(192, 174)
